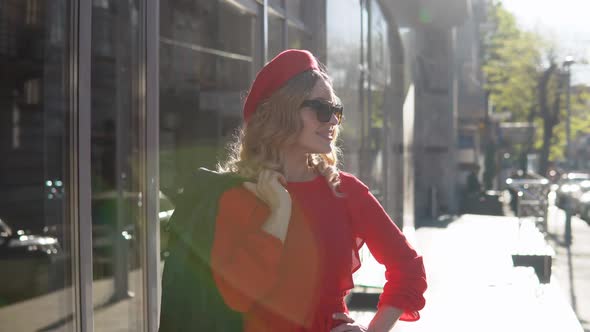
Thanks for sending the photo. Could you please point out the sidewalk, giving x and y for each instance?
(473, 285)
(571, 265)
(48, 313)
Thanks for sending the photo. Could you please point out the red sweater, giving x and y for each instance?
(299, 285)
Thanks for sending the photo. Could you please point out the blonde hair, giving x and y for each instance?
(276, 123)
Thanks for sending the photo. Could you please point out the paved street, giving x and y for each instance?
(571, 266)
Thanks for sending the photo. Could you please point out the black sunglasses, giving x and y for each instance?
(324, 109)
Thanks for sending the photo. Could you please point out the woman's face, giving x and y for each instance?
(316, 136)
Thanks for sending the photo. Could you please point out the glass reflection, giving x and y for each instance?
(277, 3)
(204, 74)
(35, 229)
(295, 8)
(115, 170)
(276, 33)
(380, 80)
(296, 38)
(344, 62)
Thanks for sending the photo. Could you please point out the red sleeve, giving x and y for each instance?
(244, 258)
(405, 275)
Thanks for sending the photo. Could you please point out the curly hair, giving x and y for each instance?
(276, 123)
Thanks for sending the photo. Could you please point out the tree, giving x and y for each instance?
(511, 59)
(524, 77)
(510, 65)
(549, 96)
(580, 120)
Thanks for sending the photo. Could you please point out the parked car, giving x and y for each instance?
(576, 196)
(31, 263)
(584, 206)
(570, 187)
(105, 234)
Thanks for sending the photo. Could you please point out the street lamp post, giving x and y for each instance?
(569, 60)
(362, 67)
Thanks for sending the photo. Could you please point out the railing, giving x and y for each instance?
(531, 197)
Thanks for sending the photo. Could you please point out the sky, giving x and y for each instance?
(564, 22)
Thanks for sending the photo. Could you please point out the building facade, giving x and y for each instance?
(107, 107)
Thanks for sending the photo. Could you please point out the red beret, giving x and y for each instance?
(275, 74)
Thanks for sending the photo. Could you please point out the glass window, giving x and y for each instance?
(276, 36)
(116, 164)
(201, 88)
(35, 229)
(344, 61)
(296, 38)
(295, 8)
(380, 80)
(380, 61)
(277, 3)
(206, 25)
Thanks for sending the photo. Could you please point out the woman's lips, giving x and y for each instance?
(326, 135)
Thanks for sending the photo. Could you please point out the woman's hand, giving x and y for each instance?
(270, 188)
(349, 324)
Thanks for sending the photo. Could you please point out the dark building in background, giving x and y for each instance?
(34, 145)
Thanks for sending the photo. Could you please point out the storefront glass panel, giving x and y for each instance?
(201, 88)
(116, 162)
(295, 8)
(296, 38)
(276, 35)
(344, 62)
(380, 81)
(35, 142)
(277, 3)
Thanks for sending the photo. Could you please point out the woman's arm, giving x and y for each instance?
(385, 319)
(406, 278)
(249, 239)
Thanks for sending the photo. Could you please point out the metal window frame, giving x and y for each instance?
(151, 37)
(288, 17)
(80, 199)
(248, 6)
(264, 13)
(206, 50)
(298, 24)
(285, 26)
(80, 39)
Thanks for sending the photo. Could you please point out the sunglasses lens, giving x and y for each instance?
(324, 112)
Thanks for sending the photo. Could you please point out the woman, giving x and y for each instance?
(284, 247)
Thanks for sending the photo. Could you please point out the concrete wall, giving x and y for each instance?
(425, 153)
(435, 84)
(434, 132)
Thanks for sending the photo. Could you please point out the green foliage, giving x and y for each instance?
(377, 109)
(511, 61)
(580, 121)
(514, 64)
